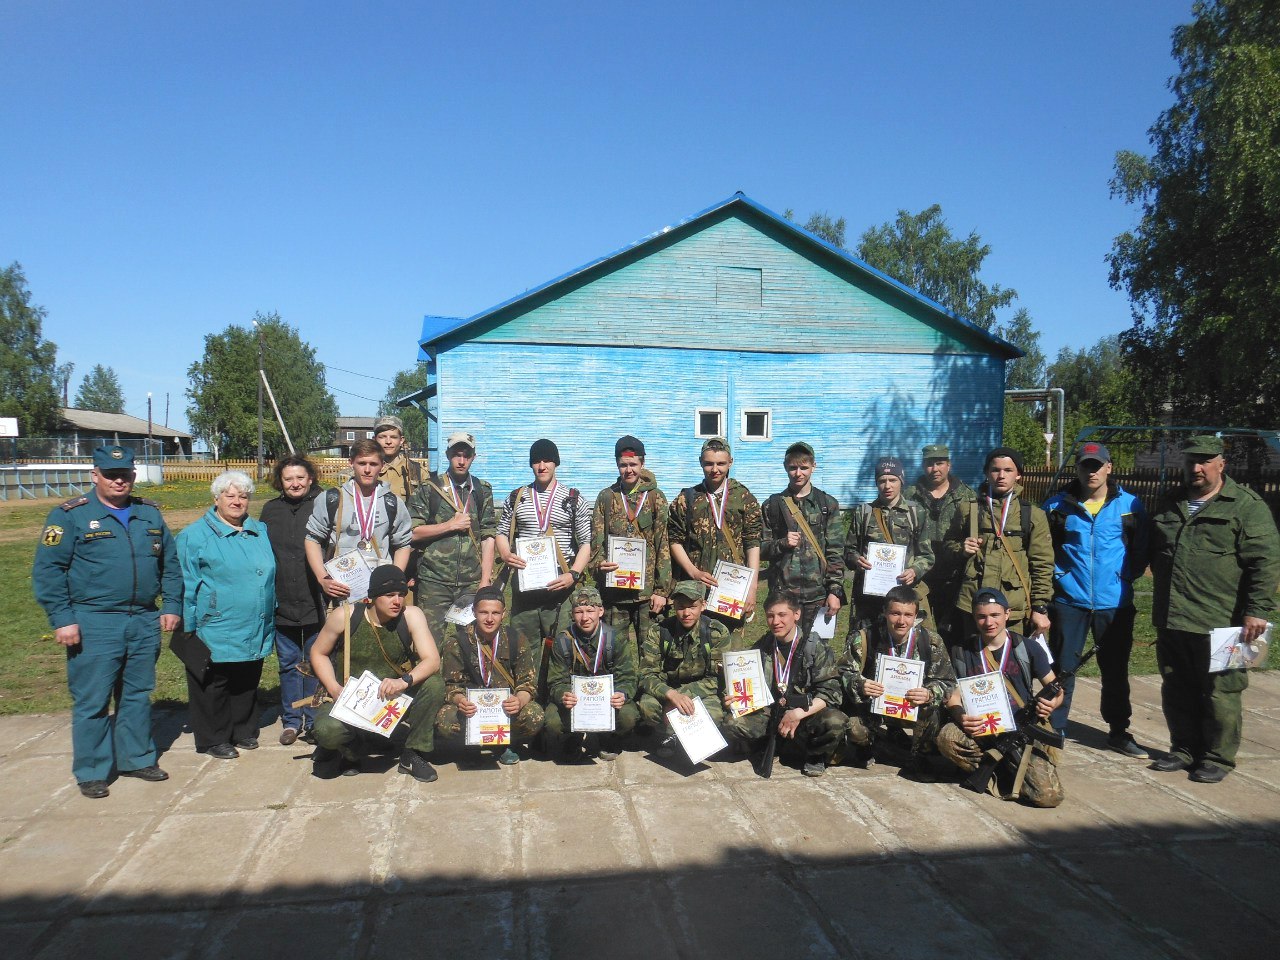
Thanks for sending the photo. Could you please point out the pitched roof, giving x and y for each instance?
(436, 328)
(98, 422)
(364, 423)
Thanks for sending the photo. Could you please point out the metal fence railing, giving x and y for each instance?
(1147, 484)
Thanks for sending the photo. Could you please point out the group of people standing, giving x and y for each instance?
(990, 583)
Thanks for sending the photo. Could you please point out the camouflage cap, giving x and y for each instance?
(113, 458)
(388, 422)
(460, 438)
(716, 443)
(936, 451)
(585, 596)
(693, 589)
(1202, 445)
(799, 449)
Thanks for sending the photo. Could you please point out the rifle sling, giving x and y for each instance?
(497, 665)
(456, 509)
(805, 529)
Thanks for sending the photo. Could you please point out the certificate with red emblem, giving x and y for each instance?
(887, 560)
(745, 687)
(898, 674)
(489, 726)
(631, 555)
(733, 586)
(360, 706)
(986, 698)
(593, 713)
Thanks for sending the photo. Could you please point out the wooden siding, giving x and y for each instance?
(851, 407)
(738, 284)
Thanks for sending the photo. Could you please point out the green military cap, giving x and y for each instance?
(799, 448)
(719, 443)
(1202, 445)
(692, 589)
(113, 458)
(585, 596)
(936, 451)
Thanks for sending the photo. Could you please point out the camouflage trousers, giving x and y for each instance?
(629, 617)
(559, 725)
(1042, 786)
(434, 600)
(535, 619)
(416, 731)
(654, 711)
(817, 736)
(888, 735)
(525, 725)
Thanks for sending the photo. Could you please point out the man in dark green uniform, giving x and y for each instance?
(102, 561)
(391, 641)
(454, 528)
(804, 539)
(1215, 560)
(945, 499)
(681, 659)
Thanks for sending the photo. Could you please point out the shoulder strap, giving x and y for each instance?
(974, 507)
(606, 637)
(805, 529)
(516, 496)
(1026, 528)
(1024, 661)
(884, 527)
(333, 503)
(406, 638)
(688, 495)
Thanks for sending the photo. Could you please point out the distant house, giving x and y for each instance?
(347, 430)
(82, 431)
(734, 322)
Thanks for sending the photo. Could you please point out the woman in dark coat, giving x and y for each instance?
(300, 606)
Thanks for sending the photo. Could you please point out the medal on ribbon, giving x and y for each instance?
(781, 674)
(633, 517)
(487, 673)
(599, 649)
(1004, 515)
(543, 514)
(365, 518)
(717, 513)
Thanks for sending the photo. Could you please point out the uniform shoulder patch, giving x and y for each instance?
(75, 502)
(144, 500)
(52, 535)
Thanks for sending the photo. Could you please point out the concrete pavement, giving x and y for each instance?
(254, 858)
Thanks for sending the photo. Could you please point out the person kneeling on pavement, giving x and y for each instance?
(589, 648)
(481, 656)
(1016, 660)
(393, 642)
(890, 736)
(801, 672)
(681, 660)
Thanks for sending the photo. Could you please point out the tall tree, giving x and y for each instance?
(223, 395)
(1027, 372)
(415, 421)
(100, 390)
(1202, 267)
(820, 224)
(920, 251)
(28, 362)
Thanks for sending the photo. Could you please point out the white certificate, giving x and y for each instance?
(593, 713)
(824, 625)
(898, 675)
(359, 706)
(489, 726)
(887, 560)
(631, 554)
(540, 564)
(745, 685)
(1226, 652)
(461, 613)
(733, 586)
(697, 733)
(352, 569)
(986, 698)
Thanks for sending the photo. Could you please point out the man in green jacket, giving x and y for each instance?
(1215, 559)
(945, 499)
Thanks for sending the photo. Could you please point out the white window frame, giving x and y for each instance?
(767, 412)
(351, 434)
(368, 434)
(697, 422)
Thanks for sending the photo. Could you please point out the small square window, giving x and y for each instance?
(351, 434)
(709, 423)
(756, 425)
(368, 434)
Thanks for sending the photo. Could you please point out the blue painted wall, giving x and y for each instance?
(852, 408)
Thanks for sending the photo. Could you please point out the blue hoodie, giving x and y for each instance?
(1096, 559)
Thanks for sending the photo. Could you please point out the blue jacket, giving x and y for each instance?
(1096, 559)
(229, 579)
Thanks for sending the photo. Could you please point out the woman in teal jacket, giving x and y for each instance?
(228, 572)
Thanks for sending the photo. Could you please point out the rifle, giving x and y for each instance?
(1015, 745)
(780, 706)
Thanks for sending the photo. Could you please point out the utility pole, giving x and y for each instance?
(147, 458)
(261, 374)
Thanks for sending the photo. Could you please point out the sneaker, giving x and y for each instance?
(1123, 743)
(607, 753)
(1209, 773)
(415, 765)
(508, 757)
(288, 736)
(1171, 763)
(152, 774)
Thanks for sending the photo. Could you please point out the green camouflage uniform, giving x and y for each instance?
(801, 569)
(563, 665)
(673, 658)
(461, 670)
(450, 565)
(1208, 570)
(991, 566)
(906, 523)
(692, 526)
(868, 730)
(945, 519)
(628, 610)
(813, 674)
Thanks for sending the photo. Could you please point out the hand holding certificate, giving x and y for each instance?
(897, 675)
(733, 586)
(593, 713)
(352, 569)
(986, 698)
(489, 726)
(631, 556)
(360, 706)
(887, 560)
(540, 564)
(697, 733)
(746, 689)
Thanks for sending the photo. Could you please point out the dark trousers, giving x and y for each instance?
(1202, 709)
(224, 704)
(1113, 633)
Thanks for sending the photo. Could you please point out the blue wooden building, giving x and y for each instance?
(734, 322)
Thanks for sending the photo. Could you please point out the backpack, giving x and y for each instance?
(333, 497)
(564, 646)
(704, 639)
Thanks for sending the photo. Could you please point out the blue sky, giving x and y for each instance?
(169, 169)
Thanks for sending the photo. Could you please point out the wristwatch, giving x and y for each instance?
(579, 576)
(407, 678)
(1039, 608)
